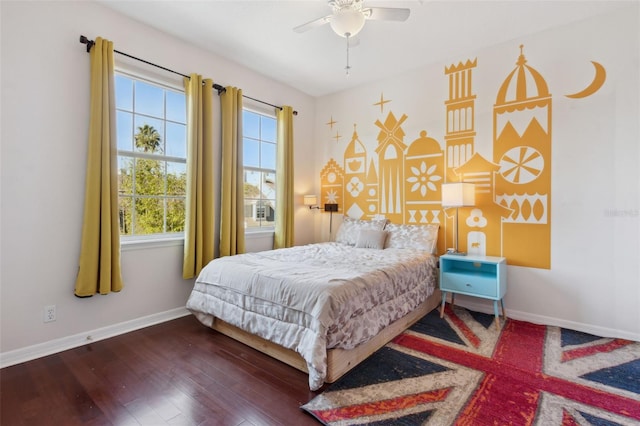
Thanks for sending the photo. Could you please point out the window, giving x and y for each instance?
(259, 159)
(152, 151)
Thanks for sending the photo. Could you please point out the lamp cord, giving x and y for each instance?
(330, 224)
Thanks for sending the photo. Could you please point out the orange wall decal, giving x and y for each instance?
(402, 180)
(595, 85)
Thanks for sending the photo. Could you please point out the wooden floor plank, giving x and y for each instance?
(176, 373)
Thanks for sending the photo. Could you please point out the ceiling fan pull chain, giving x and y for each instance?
(347, 68)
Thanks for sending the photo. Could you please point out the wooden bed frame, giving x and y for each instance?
(339, 361)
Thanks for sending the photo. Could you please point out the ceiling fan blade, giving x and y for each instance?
(313, 24)
(386, 13)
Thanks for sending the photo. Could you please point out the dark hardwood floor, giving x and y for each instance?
(176, 373)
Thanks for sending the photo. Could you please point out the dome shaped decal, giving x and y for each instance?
(523, 83)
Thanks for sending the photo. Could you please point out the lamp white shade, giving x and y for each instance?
(458, 194)
(310, 200)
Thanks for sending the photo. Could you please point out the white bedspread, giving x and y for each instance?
(314, 297)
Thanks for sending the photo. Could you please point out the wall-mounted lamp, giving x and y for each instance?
(311, 201)
(458, 194)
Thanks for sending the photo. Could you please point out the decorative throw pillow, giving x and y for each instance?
(371, 238)
(350, 227)
(422, 237)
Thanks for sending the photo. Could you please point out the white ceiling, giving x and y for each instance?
(259, 34)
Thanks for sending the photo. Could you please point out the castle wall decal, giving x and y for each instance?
(402, 180)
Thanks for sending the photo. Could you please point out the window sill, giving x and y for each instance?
(263, 233)
(147, 243)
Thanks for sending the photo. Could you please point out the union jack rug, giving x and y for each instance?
(463, 370)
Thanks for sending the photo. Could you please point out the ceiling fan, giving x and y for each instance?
(349, 16)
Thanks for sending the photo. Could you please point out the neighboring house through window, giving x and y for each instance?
(152, 152)
(259, 159)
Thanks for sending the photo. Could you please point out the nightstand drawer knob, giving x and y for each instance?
(468, 285)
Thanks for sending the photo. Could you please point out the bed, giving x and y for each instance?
(323, 308)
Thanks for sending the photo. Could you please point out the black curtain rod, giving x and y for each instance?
(90, 44)
(218, 87)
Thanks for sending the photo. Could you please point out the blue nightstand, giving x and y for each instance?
(478, 276)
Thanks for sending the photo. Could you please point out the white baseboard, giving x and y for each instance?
(58, 345)
(62, 344)
(541, 319)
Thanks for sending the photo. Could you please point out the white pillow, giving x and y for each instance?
(371, 238)
(350, 227)
(412, 236)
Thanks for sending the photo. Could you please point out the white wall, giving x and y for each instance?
(45, 99)
(594, 283)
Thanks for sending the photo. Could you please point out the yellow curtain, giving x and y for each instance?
(99, 265)
(284, 179)
(232, 185)
(201, 158)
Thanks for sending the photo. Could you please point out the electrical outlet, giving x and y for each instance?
(49, 313)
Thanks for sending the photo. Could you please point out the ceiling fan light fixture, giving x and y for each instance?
(347, 22)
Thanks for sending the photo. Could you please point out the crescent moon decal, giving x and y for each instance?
(596, 84)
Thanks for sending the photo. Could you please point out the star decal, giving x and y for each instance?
(382, 102)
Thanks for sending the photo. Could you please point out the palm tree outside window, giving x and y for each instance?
(151, 136)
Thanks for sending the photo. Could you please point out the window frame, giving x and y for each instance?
(166, 84)
(269, 113)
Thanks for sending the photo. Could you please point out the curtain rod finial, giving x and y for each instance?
(88, 42)
(219, 88)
